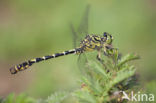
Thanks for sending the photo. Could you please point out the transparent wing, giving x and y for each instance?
(83, 27)
(74, 34)
(78, 35)
(82, 30)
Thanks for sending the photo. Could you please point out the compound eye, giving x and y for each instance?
(111, 36)
(105, 34)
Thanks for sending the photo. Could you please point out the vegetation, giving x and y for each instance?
(98, 85)
(31, 28)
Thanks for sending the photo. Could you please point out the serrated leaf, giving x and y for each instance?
(98, 68)
(85, 96)
(127, 58)
(57, 97)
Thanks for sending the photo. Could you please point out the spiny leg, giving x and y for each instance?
(101, 60)
(99, 57)
(112, 52)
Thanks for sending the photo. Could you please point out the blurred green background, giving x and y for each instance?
(34, 28)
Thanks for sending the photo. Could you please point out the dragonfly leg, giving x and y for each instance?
(112, 53)
(99, 57)
(101, 60)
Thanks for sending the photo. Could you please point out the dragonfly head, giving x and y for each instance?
(108, 37)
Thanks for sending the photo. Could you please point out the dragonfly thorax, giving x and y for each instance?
(95, 42)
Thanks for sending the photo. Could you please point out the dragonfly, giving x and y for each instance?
(86, 43)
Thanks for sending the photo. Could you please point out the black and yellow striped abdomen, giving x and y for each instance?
(25, 65)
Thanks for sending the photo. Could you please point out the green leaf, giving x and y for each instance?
(127, 58)
(57, 97)
(97, 67)
(22, 98)
(9, 99)
(84, 96)
(121, 76)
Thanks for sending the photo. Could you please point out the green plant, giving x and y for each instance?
(101, 83)
(101, 86)
(22, 98)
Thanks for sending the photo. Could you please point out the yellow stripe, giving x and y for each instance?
(64, 53)
(33, 60)
(16, 68)
(27, 66)
(53, 55)
(21, 68)
(43, 57)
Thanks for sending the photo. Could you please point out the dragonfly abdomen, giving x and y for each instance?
(25, 65)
